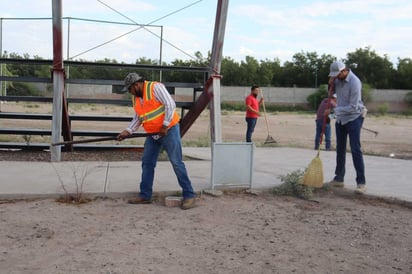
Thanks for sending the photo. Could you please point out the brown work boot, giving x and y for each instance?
(139, 200)
(188, 203)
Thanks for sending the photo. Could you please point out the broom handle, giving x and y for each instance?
(264, 110)
(102, 139)
(330, 89)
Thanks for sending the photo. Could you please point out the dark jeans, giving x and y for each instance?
(251, 123)
(319, 124)
(172, 144)
(353, 129)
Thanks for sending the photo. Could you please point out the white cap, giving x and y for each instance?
(335, 68)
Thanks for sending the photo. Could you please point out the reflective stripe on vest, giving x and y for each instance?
(148, 90)
(152, 114)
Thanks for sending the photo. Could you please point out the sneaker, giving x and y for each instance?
(360, 189)
(336, 183)
(139, 200)
(188, 203)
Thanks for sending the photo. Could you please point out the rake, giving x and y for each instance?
(269, 138)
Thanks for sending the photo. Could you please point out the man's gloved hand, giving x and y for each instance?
(122, 135)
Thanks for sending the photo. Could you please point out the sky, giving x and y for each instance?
(263, 29)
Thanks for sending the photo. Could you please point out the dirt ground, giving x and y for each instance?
(233, 233)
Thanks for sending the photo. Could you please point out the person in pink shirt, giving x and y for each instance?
(252, 111)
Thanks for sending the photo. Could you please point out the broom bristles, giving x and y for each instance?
(314, 173)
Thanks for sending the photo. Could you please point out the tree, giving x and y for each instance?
(230, 72)
(323, 64)
(306, 69)
(301, 71)
(249, 70)
(269, 72)
(404, 74)
(372, 68)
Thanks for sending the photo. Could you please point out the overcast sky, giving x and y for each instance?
(264, 29)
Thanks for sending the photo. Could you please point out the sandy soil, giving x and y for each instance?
(234, 233)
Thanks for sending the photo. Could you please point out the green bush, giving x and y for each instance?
(408, 99)
(22, 89)
(366, 93)
(292, 186)
(315, 98)
(383, 109)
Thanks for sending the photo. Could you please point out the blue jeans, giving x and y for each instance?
(319, 124)
(251, 123)
(353, 129)
(173, 146)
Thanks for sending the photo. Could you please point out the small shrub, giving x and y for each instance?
(292, 186)
(314, 99)
(80, 173)
(383, 109)
(366, 93)
(408, 99)
(22, 89)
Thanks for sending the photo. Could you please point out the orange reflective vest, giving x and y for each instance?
(151, 112)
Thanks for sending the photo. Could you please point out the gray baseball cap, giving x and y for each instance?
(335, 68)
(130, 79)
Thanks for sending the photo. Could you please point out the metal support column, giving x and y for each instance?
(58, 79)
(215, 64)
(1, 56)
(160, 56)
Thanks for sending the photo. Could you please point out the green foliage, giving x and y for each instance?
(306, 69)
(200, 142)
(314, 99)
(404, 77)
(27, 69)
(22, 89)
(408, 99)
(270, 108)
(366, 93)
(292, 186)
(233, 106)
(383, 109)
(372, 68)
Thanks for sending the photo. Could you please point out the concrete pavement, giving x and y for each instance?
(386, 177)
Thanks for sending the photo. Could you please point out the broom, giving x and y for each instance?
(313, 176)
(269, 138)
